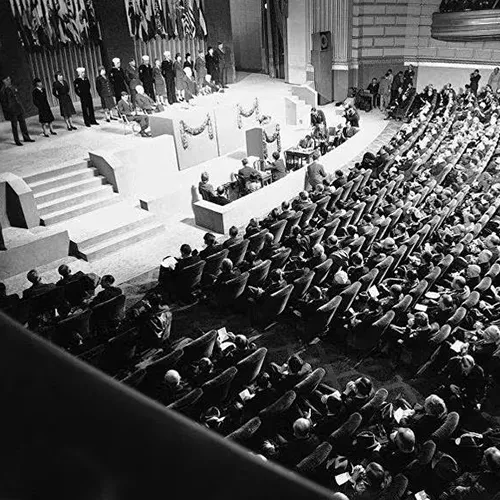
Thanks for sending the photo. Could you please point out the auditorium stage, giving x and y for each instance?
(180, 228)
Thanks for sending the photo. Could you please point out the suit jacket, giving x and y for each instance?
(189, 261)
(247, 172)
(167, 69)
(125, 108)
(207, 252)
(82, 88)
(278, 169)
(144, 102)
(211, 64)
(298, 449)
(11, 103)
(224, 57)
(315, 174)
(200, 67)
(38, 289)
(220, 200)
(106, 294)
(146, 74)
(118, 81)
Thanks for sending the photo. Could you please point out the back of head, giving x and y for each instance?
(301, 427)
(64, 270)
(185, 250)
(285, 205)
(405, 440)
(209, 239)
(269, 238)
(364, 386)
(375, 475)
(295, 363)
(107, 280)
(172, 378)
(244, 162)
(492, 459)
(204, 176)
(233, 231)
(227, 265)
(32, 276)
(435, 406)
(303, 195)
(3, 290)
(276, 275)
(241, 341)
(276, 155)
(220, 191)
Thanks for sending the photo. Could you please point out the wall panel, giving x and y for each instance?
(155, 48)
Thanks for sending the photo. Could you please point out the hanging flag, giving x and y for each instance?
(178, 19)
(188, 20)
(169, 25)
(159, 19)
(203, 24)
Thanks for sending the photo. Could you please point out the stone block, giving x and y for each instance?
(392, 52)
(413, 10)
(412, 30)
(464, 54)
(372, 9)
(410, 51)
(386, 41)
(367, 20)
(372, 52)
(411, 41)
(399, 41)
(424, 31)
(446, 53)
(395, 31)
(396, 10)
(366, 42)
(381, 20)
(427, 52)
(356, 10)
(483, 55)
(372, 31)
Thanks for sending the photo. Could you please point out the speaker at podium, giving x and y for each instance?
(322, 58)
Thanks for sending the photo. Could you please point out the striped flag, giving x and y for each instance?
(201, 19)
(188, 20)
(178, 20)
(169, 25)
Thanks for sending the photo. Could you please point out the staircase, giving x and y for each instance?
(99, 221)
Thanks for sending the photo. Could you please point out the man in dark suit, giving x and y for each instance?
(223, 58)
(82, 89)
(277, 167)
(205, 188)
(187, 258)
(212, 65)
(146, 77)
(317, 117)
(13, 111)
(286, 212)
(125, 108)
(211, 247)
(301, 202)
(168, 72)
(143, 101)
(315, 172)
(200, 69)
(220, 197)
(233, 237)
(108, 290)
(37, 287)
(246, 171)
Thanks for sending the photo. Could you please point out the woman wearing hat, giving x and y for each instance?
(45, 116)
(399, 451)
(60, 90)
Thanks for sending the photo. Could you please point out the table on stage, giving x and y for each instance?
(296, 158)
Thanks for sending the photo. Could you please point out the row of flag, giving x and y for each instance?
(166, 18)
(48, 23)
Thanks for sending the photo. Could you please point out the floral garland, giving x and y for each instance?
(185, 130)
(270, 139)
(241, 112)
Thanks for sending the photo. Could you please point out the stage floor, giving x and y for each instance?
(180, 228)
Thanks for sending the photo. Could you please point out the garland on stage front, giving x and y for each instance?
(247, 114)
(186, 129)
(266, 139)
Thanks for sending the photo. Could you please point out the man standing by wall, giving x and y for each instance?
(13, 110)
(168, 72)
(82, 90)
(224, 61)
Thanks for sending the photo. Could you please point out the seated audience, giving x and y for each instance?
(108, 291)
(37, 286)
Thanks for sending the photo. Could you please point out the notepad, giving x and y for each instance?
(458, 346)
(169, 262)
(373, 291)
(421, 307)
(432, 295)
(222, 334)
(421, 495)
(246, 395)
(342, 478)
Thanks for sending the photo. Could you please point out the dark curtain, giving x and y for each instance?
(274, 14)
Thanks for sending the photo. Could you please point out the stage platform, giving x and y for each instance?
(176, 213)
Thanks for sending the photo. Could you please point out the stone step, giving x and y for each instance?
(56, 172)
(62, 191)
(72, 200)
(63, 180)
(119, 241)
(77, 210)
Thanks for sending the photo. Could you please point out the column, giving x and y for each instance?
(342, 46)
(298, 36)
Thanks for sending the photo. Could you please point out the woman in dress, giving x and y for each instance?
(188, 63)
(180, 85)
(45, 115)
(106, 92)
(60, 89)
(160, 87)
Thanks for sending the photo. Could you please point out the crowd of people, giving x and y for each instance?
(397, 258)
(133, 92)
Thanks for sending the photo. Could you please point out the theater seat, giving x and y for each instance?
(472, 300)
(443, 333)
(189, 404)
(368, 279)
(300, 287)
(305, 387)
(330, 228)
(249, 368)
(246, 431)
(319, 324)
(402, 306)
(256, 241)
(292, 222)
(258, 274)
(187, 281)
(201, 347)
(458, 317)
(369, 410)
(343, 434)
(441, 435)
(316, 237)
(321, 204)
(315, 460)
(277, 229)
(237, 252)
(273, 307)
(397, 488)
(348, 297)
(321, 272)
(227, 294)
(280, 406)
(279, 260)
(484, 284)
(307, 213)
(212, 267)
(216, 390)
(107, 315)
